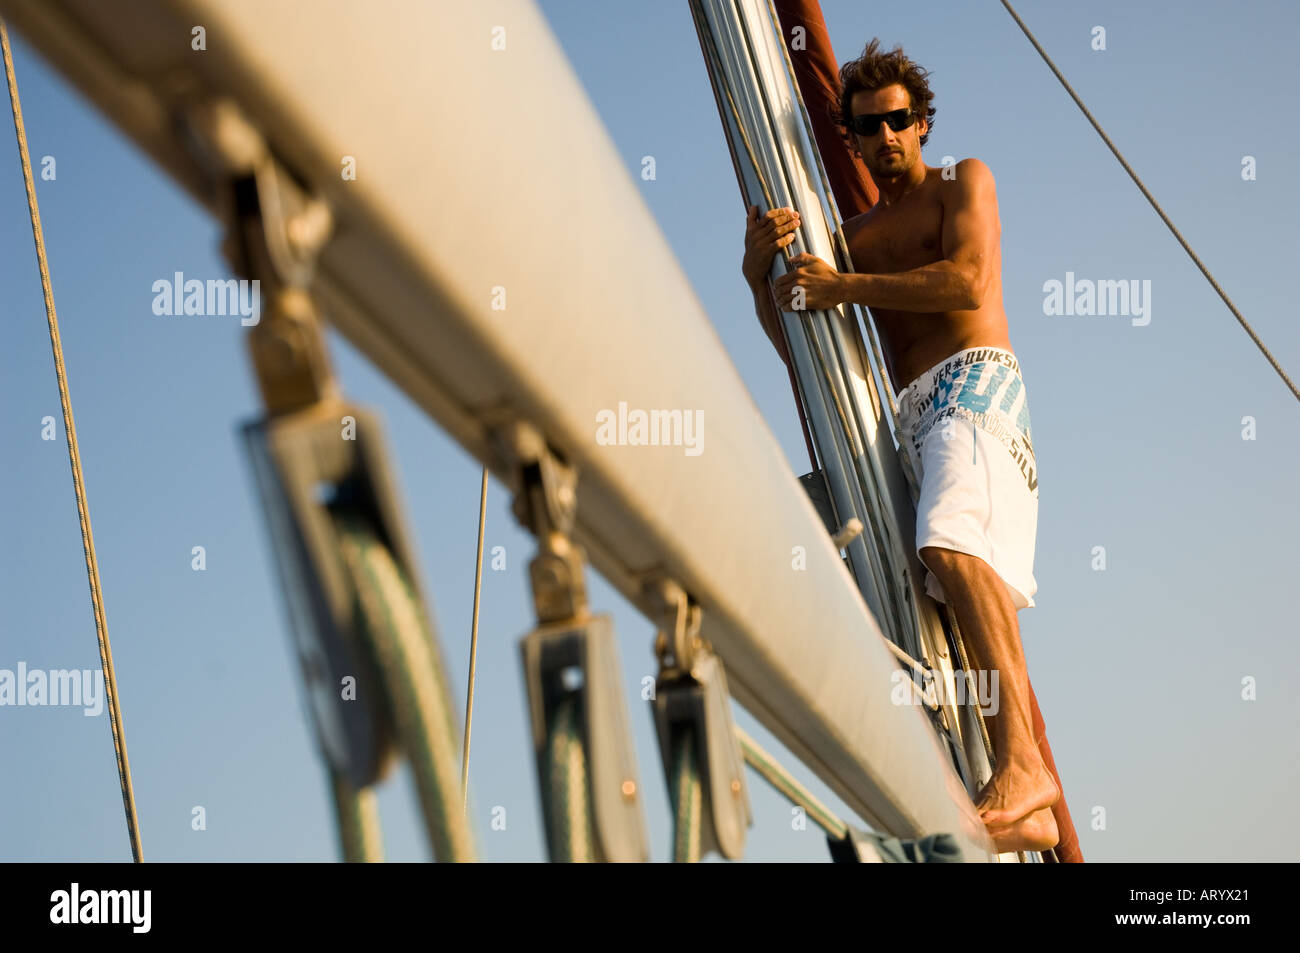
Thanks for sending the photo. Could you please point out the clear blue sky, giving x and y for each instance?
(1138, 430)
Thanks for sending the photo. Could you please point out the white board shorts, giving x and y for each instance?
(966, 429)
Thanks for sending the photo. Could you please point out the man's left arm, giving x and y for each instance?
(959, 281)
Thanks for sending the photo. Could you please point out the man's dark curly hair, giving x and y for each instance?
(876, 70)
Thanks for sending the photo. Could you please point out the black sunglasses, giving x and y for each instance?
(868, 124)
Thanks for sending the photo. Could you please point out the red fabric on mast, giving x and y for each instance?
(819, 83)
(818, 76)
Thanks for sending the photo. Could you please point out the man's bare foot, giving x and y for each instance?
(1014, 791)
(1035, 832)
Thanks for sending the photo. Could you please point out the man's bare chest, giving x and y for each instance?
(897, 238)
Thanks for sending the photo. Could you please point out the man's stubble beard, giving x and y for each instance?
(900, 167)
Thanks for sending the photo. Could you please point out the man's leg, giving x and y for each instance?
(1021, 784)
(1067, 849)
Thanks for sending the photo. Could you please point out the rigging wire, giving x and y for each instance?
(1154, 204)
(473, 645)
(74, 458)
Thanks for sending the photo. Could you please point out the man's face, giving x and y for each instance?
(887, 154)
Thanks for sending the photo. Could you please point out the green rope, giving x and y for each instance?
(357, 813)
(687, 798)
(565, 800)
(392, 621)
(785, 783)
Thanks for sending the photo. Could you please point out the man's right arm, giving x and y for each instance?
(769, 317)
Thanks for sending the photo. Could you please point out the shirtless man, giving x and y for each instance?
(927, 261)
